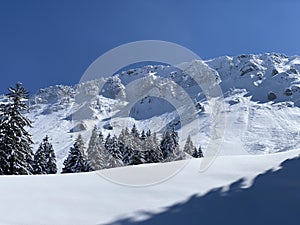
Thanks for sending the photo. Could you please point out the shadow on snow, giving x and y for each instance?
(274, 198)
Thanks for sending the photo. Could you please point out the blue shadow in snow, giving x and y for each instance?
(274, 198)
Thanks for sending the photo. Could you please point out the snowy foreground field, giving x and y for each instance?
(228, 192)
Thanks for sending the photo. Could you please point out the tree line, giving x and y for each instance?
(129, 148)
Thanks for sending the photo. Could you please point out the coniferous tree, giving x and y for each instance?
(93, 150)
(143, 136)
(16, 156)
(114, 156)
(127, 155)
(108, 142)
(189, 147)
(148, 133)
(115, 150)
(75, 162)
(105, 156)
(50, 157)
(148, 147)
(134, 131)
(125, 146)
(200, 152)
(197, 153)
(169, 146)
(44, 159)
(155, 151)
(101, 137)
(144, 148)
(134, 139)
(136, 158)
(40, 163)
(178, 155)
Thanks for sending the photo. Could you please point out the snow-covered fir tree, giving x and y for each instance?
(136, 157)
(105, 156)
(143, 136)
(148, 133)
(144, 148)
(149, 147)
(44, 158)
(94, 150)
(76, 160)
(125, 146)
(40, 163)
(155, 151)
(197, 153)
(50, 156)
(127, 155)
(178, 154)
(115, 149)
(114, 155)
(135, 139)
(108, 142)
(16, 156)
(189, 147)
(134, 131)
(169, 146)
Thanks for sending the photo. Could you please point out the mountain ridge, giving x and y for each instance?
(256, 88)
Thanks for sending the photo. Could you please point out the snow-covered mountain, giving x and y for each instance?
(261, 95)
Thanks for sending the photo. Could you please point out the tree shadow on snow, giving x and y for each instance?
(274, 198)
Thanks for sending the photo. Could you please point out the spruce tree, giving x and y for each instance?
(198, 153)
(40, 162)
(189, 147)
(127, 155)
(136, 158)
(114, 158)
(169, 146)
(105, 156)
(155, 151)
(75, 162)
(50, 156)
(16, 156)
(93, 150)
(44, 158)
(143, 147)
(108, 142)
(143, 136)
(115, 149)
(178, 155)
(134, 139)
(148, 133)
(134, 131)
(125, 146)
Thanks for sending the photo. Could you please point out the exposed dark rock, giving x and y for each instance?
(271, 96)
(288, 92)
(274, 72)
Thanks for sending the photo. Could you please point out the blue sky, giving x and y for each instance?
(47, 42)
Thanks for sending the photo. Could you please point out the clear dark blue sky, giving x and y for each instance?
(47, 42)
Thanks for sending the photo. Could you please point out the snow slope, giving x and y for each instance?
(89, 198)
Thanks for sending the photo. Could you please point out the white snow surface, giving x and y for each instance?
(89, 198)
